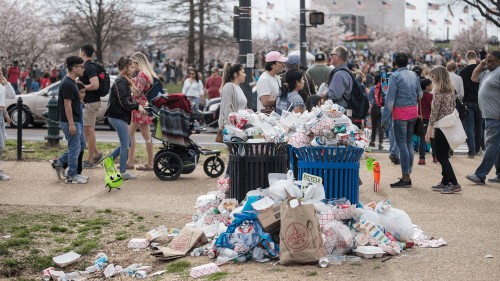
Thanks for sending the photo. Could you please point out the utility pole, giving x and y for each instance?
(303, 40)
(246, 54)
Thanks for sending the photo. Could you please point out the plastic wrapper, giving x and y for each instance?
(344, 240)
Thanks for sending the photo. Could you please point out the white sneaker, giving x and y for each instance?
(4, 177)
(75, 180)
(128, 176)
(83, 177)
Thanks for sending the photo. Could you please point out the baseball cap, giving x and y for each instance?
(293, 60)
(319, 57)
(275, 56)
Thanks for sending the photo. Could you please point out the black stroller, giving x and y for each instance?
(173, 123)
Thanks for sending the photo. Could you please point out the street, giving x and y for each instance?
(104, 134)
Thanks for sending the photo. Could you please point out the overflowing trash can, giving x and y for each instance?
(250, 164)
(337, 166)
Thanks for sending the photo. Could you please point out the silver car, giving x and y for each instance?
(35, 104)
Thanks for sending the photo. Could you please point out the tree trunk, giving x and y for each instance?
(191, 36)
(201, 36)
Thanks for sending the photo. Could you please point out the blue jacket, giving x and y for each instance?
(401, 100)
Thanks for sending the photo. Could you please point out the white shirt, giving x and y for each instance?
(6, 91)
(458, 84)
(267, 86)
(194, 89)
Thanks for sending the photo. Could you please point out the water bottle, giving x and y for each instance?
(101, 258)
(96, 267)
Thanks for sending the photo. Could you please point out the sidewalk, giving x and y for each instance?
(467, 221)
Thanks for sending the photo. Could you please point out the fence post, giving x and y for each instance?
(20, 128)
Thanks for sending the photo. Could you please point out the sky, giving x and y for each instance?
(287, 9)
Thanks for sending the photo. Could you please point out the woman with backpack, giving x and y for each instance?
(290, 100)
(141, 120)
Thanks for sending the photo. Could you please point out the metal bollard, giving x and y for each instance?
(20, 128)
(53, 136)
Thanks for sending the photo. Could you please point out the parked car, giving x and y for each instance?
(35, 104)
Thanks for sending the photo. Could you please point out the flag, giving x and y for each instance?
(449, 10)
(434, 7)
(433, 22)
(466, 9)
(409, 6)
(270, 5)
(447, 22)
(415, 21)
(462, 21)
(386, 5)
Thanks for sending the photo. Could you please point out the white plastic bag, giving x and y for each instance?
(279, 188)
(395, 221)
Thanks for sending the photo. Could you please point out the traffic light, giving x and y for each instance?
(316, 18)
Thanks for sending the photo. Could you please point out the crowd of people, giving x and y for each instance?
(399, 94)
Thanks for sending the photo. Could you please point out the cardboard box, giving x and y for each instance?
(270, 219)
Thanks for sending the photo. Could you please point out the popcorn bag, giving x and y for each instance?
(300, 235)
(203, 270)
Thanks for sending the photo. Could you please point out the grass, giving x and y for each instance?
(174, 88)
(216, 276)
(311, 273)
(178, 267)
(36, 238)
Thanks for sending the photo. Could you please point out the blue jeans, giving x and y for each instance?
(492, 154)
(403, 133)
(121, 128)
(393, 147)
(70, 156)
(473, 128)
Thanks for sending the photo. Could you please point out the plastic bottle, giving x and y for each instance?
(96, 267)
(110, 271)
(73, 276)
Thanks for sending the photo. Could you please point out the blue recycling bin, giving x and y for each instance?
(337, 166)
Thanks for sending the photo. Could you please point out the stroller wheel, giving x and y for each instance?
(213, 166)
(167, 166)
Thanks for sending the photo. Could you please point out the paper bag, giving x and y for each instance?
(187, 239)
(300, 235)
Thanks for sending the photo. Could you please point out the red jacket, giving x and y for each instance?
(425, 105)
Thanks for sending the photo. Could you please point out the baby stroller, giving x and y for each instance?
(173, 124)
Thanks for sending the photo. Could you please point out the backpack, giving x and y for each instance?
(358, 102)
(104, 80)
(155, 90)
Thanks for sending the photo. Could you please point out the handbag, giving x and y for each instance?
(219, 137)
(419, 125)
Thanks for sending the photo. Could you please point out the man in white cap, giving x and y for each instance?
(269, 84)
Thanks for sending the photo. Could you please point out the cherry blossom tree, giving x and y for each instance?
(26, 36)
(470, 39)
(411, 41)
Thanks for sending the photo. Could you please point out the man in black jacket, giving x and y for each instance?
(473, 123)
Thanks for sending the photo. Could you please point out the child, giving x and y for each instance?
(425, 112)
